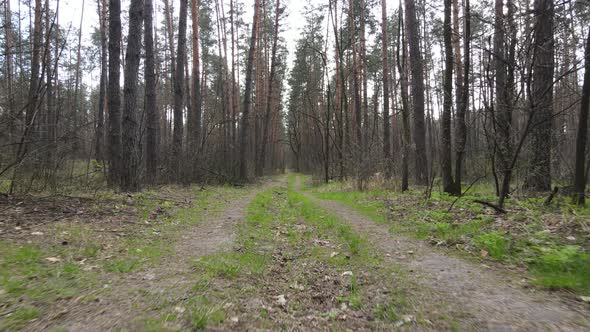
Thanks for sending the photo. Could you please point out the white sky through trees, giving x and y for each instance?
(70, 11)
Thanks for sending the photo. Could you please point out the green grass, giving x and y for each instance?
(563, 267)
(365, 202)
(495, 243)
(29, 280)
(554, 265)
(284, 221)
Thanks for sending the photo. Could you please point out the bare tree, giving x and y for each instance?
(102, 97)
(417, 81)
(114, 97)
(244, 128)
(402, 69)
(153, 120)
(271, 82)
(178, 89)
(446, 164)
(581, 176)
(130, 164)
(385, 61)
(461, 128)
(541, 100)
(195, 134)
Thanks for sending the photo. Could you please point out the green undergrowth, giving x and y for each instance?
(73, 260)
(523, 236)
(288, 245)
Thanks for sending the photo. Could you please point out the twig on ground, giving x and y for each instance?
(465, 192)
(493, 206)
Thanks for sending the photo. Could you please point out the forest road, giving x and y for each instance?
(484, 299)
(135, 296)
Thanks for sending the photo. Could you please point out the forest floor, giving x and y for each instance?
(270, 256)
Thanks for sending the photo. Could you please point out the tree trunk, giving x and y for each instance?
(114, 96)
(385, 60)
(130, 164)
(417, 81)
(244, 130)
(461, 128)
(195, 134)
(446, 166)
(580, 177)
(179, 91)
(77, 104)
(541, 100)
(267, 114)
(102, 17)
(152, 146)
(33, 96)
(402, 69)
(503, 106)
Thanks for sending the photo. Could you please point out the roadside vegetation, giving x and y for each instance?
(68, 250)
(551, 242)
(294, 264)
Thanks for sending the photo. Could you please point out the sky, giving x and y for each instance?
(70, 12)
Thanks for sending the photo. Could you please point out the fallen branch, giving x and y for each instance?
(465, 192)
(493, 206)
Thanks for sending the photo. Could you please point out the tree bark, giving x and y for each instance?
(102, 98)
(461, 128)
(539, 178)
(446, 166)
(385, 60)
(271, 81)
(402, 69)
(179, 91)
(195, 135)
(114, 96)
(244, 130)
(580, 177)
(153, 119)
(417, 82)
(130, 169)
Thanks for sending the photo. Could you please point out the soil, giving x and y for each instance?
(491, 299)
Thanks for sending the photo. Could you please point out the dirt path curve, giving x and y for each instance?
(137, 295)
(488, 299)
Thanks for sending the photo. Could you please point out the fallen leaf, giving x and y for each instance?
(571, 238)
(347, 273)
(179, 309)
(333, 254)
(52, 259)
(484, 253)
(235, 319)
